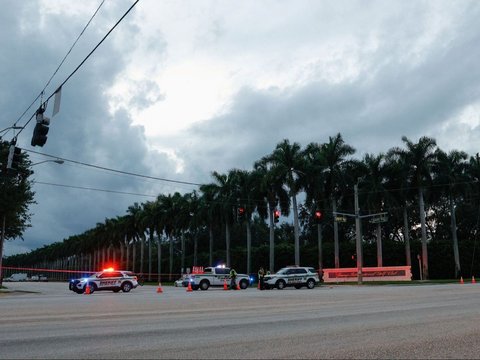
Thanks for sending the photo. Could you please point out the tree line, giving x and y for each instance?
(430, 197)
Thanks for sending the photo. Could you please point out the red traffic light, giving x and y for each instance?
(276, 215)
(241, 211)
(318, 214)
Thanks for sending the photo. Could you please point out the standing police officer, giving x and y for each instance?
(233, 278)
(261, 274)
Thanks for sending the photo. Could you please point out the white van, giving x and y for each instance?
(17, 277)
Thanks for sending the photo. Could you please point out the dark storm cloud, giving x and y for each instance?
(84, 130)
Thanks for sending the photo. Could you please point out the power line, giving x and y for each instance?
(114, 170)
(93, 189)
(80, 65)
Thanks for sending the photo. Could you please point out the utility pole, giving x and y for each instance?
(358, 233)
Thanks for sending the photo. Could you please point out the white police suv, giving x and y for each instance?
(108, 279)
(296, 276)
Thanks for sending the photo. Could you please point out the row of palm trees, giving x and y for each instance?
(321, 175)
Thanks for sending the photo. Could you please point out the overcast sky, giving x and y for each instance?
(182, 88)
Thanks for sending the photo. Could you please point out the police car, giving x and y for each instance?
(108, 279)
(292, 276)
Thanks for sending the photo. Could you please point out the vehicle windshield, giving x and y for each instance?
(282, 271)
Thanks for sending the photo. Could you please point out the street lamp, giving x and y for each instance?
(57, 161)
(9, 128)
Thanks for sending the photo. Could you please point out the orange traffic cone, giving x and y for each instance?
(461, 280)
(225, 286)
(189, 287)
(159, 289)
(87, 289)
(473, 280)
(238, 286)
(258, 286)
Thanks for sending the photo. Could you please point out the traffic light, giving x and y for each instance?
(41, 128)
(318, 216)
(241, 213)
(276, 215)
(13, 156)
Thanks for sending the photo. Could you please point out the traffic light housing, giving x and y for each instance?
(41, 128)
(318, 216)
(276, 215)
(13, 157)
(240, 213)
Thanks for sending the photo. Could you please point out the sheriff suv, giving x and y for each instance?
(296, 276)
(109, 279)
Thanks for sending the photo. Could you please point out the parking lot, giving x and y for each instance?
(46, 320)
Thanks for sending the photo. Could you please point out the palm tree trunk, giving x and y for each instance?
(127, 262)
(320, 254)
(134, 254)
(182, 256)
(227, 242)
(249, 246)
(103, 257)
(150, 241)
(454, 238)
(210, 245)
(195, 249)
(171, 258)
(335, 236)
(159, 257)
(296, 230)
(406, 235)
(142, 252)
(271, 241)
(379, 246)
(122, 257)
(424, 234)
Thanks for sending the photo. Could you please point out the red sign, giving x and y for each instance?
(197, 270)
(385, 273)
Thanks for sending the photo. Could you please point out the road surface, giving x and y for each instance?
(402, 321)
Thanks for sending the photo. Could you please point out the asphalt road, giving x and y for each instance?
(403, 321)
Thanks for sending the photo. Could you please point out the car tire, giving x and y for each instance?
(310, 284)
(127, 286)
(243, 284)
(281, 284)
(93, 287)
(204, 285)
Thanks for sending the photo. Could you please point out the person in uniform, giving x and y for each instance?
(261, 274)
(233, 279)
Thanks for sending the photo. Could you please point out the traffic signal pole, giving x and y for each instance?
(358, 233)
